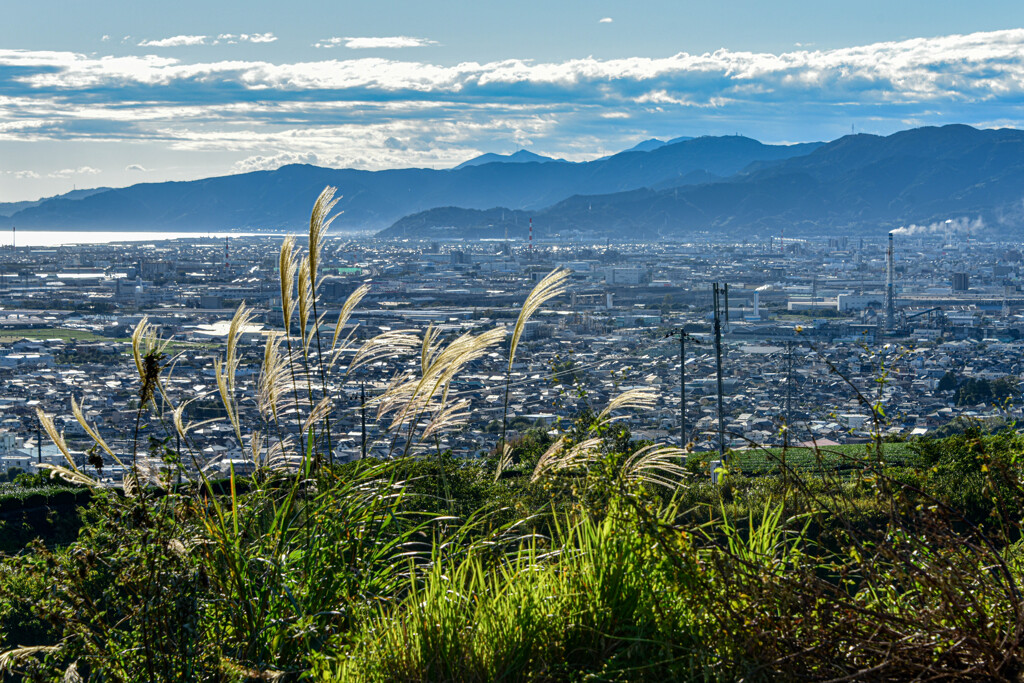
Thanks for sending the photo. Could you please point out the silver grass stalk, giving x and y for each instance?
(503, 462)
(631, 399)
(553, 284)
(70, 476)
(225, 372)
(91, 430)
(560, 459)
(71, 674)
(273, 380)
(287, 266)
(439, 369)
(319, 221)
(256, 448)
(656, 464)
(351, 302)
(546, 460)
(144, 342)
(318, 413)
(390, 344)
(12, 657)
(305, 300)
(447, 418)
(55, 436)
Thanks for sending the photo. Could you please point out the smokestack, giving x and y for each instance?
(890, 286)
(531, 237)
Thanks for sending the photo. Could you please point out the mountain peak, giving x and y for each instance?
(523, 156)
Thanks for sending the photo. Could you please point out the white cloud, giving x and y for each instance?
(605, 20)
(105, 38)
(174, 41)
(260, 162)
(375, 42)
(234, 38)
(134, 167)
(68, 172)
(258, 37)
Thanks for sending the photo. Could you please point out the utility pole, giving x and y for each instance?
(718, 365)
(726, 288)
(789, 391)
(362, 413)
(682, 334)
(39, 442)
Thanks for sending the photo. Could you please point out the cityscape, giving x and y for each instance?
(805, 330)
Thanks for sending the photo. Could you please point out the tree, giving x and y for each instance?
(948, 382)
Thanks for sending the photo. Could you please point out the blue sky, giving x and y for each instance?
(114, 93)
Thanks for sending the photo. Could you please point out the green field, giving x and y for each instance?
(12, 335)
(842, 457)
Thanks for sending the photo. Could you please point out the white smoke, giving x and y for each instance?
(952, 226)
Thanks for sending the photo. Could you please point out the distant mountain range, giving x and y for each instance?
(732, 186)
(11, 208)
(855, 185)
(280, 199)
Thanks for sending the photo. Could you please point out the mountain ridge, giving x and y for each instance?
(856, 183)
(278, 200)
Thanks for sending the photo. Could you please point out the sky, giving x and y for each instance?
(113, 93)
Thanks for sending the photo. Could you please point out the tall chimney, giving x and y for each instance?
(890, 287)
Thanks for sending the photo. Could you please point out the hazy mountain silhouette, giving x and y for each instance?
(11, 208)
(521, 157)
(280, 199)
(857, 183)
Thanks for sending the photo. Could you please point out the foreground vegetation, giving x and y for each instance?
(582, 555)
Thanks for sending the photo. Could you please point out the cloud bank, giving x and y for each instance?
(373, 112)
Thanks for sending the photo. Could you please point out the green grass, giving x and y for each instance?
(8, 335)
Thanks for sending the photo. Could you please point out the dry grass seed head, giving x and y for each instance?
(256, 448)
(55, 436)
(557, 458)
(287, 266)
(305, 300)
(631, 399)
(449, 417)
(91, 430)
(320, 411)
(504, 461)
(656, 464)
(390, 344)
(553, 284)
(351, 302)
(70, 476)
(546, 460)
(273, 377)
(319, 221)
(12, 657)
(225, 372)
